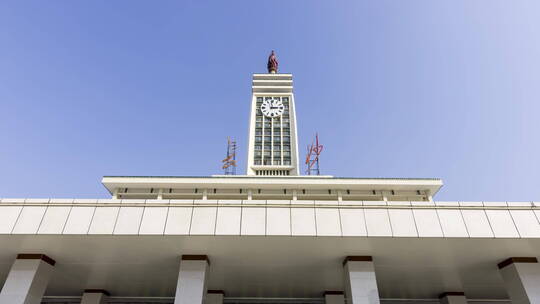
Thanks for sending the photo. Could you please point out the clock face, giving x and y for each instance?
(272, 108)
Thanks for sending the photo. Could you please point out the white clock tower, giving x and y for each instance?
(273, 145)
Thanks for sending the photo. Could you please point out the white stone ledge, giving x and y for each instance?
(273, 204)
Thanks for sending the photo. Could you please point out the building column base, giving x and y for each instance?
(360, 282)
(95, 296)
(334, 297)
(521, 276)
(191, 286)
(214, 297)
(453, 297)
(27, 279)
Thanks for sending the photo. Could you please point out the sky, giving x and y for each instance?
(417, 88)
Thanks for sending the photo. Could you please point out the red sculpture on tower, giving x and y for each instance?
(272, 63)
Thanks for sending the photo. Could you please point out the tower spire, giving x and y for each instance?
(272, 63)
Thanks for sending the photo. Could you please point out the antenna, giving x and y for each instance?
(229, 163)
(312, 158)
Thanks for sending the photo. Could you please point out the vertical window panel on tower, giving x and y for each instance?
(272, 142)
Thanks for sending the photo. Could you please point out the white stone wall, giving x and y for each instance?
(297, 218)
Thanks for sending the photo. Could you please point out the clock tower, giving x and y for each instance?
(273, 145)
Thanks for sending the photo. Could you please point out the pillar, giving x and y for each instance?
(521, 276)
(453, 297)
(191, 286)
(360, 282)
(27, 279)
(94, 296)
(214, 297)
(334, 297)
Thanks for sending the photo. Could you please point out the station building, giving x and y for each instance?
(269, 236)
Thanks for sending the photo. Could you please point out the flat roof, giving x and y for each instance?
(265, 182)
(272, 177)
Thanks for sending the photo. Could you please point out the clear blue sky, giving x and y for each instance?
(447, 89)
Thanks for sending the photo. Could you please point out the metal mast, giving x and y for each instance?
(229, 163)
(312, 159)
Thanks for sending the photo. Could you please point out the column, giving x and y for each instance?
(521, 276)
(27, 279)
(453, 297)
(214, 297)
(360, 282)
(94, 296)
(334, 297)
(191, 286)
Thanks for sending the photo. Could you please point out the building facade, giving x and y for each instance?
(270, 236)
